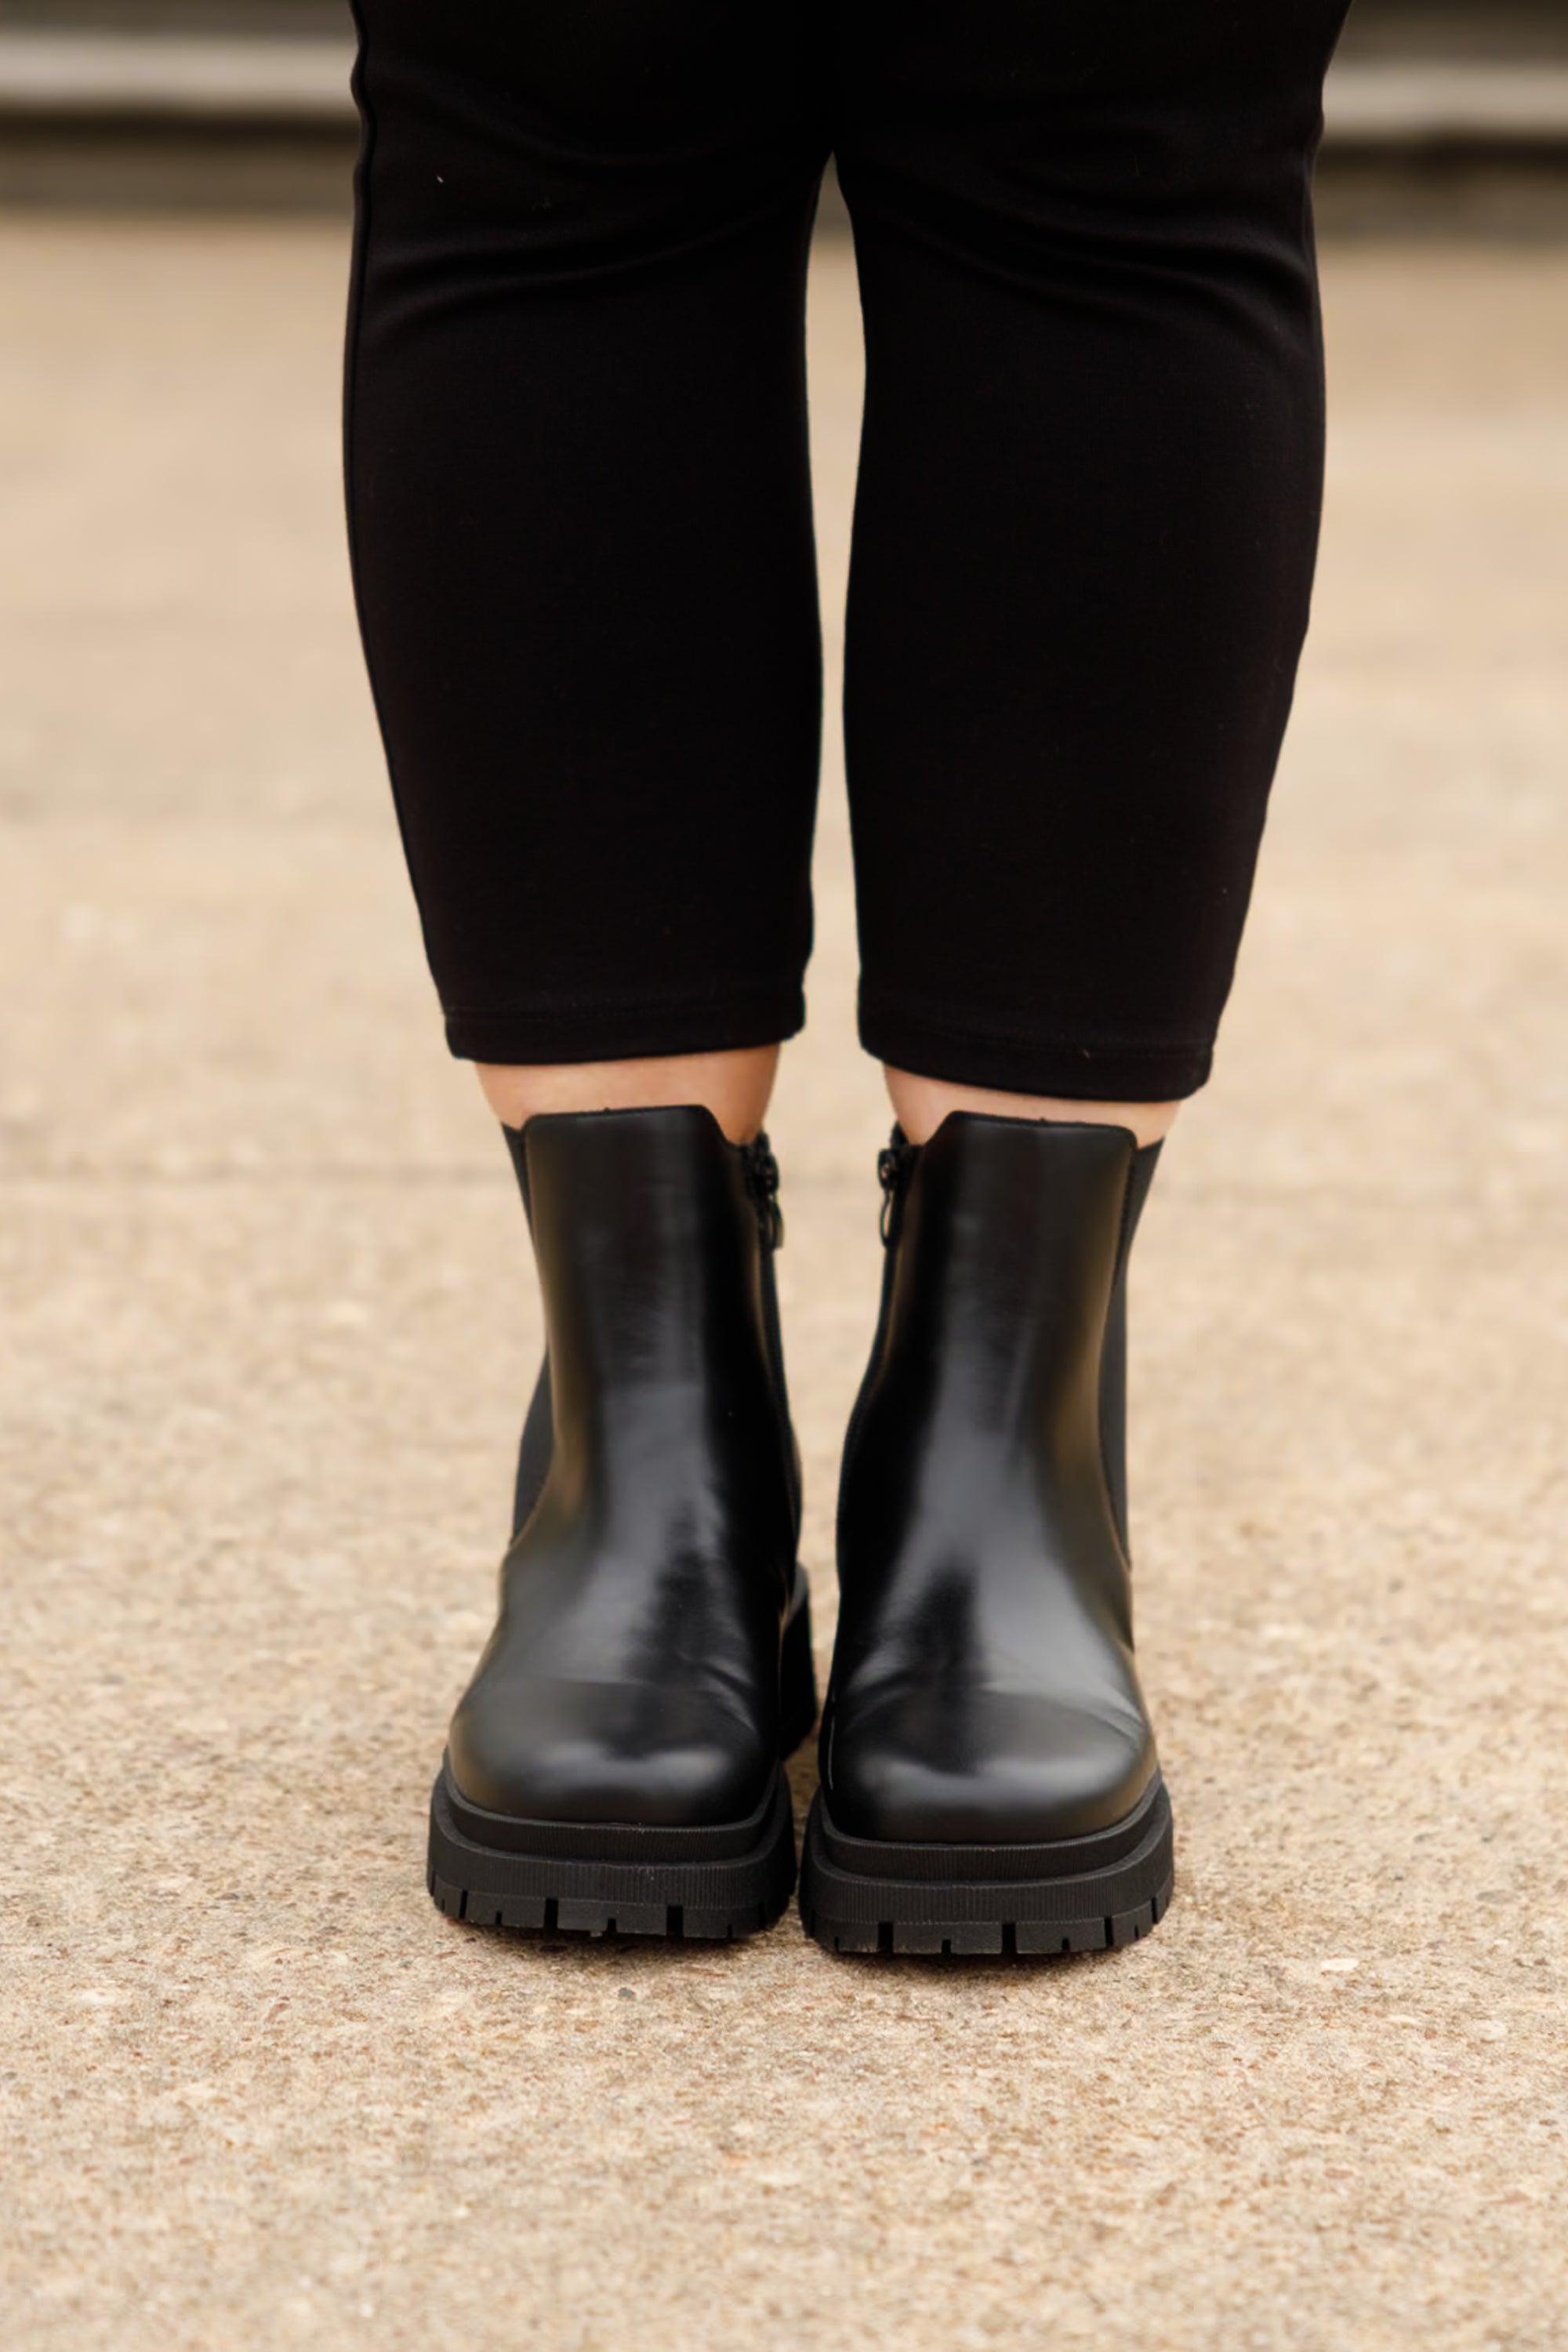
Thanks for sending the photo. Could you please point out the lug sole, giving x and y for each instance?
(582, 1893)
(573, 1890)
(1054, 1910)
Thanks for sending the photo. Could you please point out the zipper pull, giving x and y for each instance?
(892, 1169)
(763, 1182)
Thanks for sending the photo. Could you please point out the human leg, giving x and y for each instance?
(580, 514)
(581, 539)
(1085, 524)
(1084, 545)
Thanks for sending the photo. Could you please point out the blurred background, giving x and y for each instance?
(1451, 111)
(266, 1329)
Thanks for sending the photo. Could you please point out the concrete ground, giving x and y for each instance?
(267, 1330)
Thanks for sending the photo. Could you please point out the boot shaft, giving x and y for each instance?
(983, 1684)
(1003, 1317)
(653, 1237)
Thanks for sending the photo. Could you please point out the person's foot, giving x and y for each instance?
(989, 1777)
(616, 1764)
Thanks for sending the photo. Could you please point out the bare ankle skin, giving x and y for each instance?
(734, 1086)
(921, 1104)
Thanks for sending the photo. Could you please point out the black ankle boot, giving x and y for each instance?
(989, 1780)
(616, 1762)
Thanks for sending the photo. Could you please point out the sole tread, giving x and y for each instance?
(854, 1913)
(579, 1895)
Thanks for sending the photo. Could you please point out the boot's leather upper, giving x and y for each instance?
(633, 1674)
(983, 1688)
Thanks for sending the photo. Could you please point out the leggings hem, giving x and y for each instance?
(626, 1030)
(908, 1038)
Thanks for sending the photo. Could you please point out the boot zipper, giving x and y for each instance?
(893, 1167)
(762, 1183)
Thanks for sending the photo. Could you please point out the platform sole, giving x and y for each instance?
(639, 1884)
(1079, 1894)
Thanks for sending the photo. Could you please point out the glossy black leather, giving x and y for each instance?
(983, 1688)
(633, 1674)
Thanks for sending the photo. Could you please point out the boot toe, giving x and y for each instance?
(608, 1752)
(1002, 1769)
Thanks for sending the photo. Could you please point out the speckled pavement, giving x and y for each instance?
(266, 1329)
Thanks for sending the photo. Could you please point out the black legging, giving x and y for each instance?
(1091, 476)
